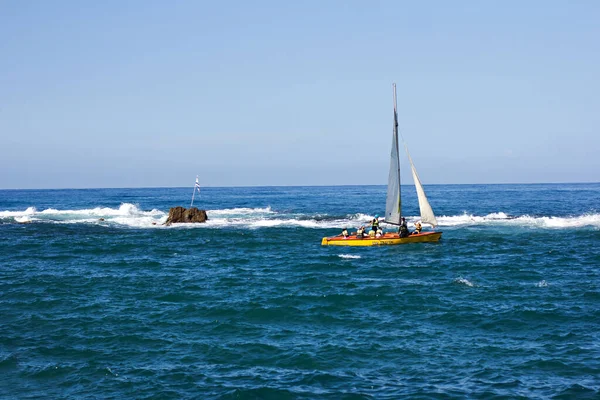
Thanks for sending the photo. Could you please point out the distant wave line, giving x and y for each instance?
(128, 214)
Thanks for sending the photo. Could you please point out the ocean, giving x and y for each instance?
(98, 299)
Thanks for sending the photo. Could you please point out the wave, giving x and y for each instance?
(241, 211)
(126, 214)
(6, 214)
(130, 215)
(23, 219)
(501, 218)
(463, 281)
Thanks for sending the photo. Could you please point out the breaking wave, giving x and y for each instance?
(501, 218)
(130, 215)
(126, 214)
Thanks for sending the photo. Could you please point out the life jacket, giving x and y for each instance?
(375, 224)
(344, 232)
(371, 233)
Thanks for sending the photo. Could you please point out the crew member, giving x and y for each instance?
(359, 232)
(375, 223)
(418, 228)
(403, 228)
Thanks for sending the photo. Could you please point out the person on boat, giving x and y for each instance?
(359, 232)
(418, 228)
(371, 234)
(403, 228)
(375, 223)
(379, 233)
(345, 233)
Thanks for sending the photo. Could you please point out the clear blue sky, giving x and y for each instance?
(151, 93)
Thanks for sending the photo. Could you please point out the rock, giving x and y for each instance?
(182, 215)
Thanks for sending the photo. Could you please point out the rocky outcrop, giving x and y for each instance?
(183, 215)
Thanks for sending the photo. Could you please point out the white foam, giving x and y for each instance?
(125, 209)
(241, 211)
(561, 222)
(542, 283)
(126, 214)
(9, 214)
(131, 215)
(469, 219)
(348, 256)
(362, 217)
(501, 218)
(464, 281)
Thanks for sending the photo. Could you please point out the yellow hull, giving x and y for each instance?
(385, 240)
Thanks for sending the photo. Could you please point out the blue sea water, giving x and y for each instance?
(251, 306)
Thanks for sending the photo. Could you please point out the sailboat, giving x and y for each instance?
(393, 205)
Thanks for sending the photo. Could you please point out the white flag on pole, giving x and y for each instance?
(196, 186)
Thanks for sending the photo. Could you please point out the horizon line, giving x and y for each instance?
(279, 186)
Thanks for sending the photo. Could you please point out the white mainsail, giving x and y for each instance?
(393, 205)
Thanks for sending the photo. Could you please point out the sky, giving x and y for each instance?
(153, 93)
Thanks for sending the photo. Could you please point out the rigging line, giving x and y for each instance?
(405, 147)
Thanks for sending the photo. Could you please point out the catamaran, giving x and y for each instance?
(393, 205)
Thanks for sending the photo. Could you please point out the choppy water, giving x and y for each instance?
(249, 305)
